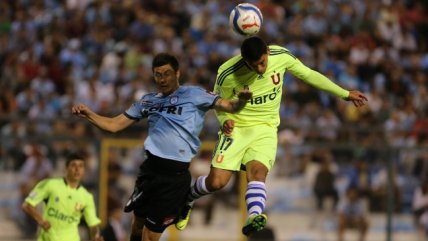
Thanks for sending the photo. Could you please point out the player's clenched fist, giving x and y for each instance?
(228, 126)
(80, 110)
(245, 94)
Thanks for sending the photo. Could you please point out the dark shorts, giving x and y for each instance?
(160, 192)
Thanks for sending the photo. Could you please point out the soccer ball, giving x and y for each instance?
(246, 19)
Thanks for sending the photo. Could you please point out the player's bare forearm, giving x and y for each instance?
(102, 122)
(99, 121)
(114, 124)
(230, 106)
(30, 210)
(238, 105)
(233, 106)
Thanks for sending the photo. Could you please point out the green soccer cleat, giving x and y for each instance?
(254, 223)
(184, 218)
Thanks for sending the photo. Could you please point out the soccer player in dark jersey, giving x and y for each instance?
(65, 202)
(253, 141)
(175, 118)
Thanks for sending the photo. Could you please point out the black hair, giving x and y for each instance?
(73, 156)
(165, 59)
(253, 48)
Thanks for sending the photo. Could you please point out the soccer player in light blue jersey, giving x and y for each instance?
(175, 117)
(249, 138)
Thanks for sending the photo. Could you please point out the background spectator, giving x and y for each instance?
(325, 182)
(352, 215)
(420, 209)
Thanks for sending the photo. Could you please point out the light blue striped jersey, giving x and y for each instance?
(175, 121)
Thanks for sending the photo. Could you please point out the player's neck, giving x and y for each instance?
(71, 183)
(165, 94)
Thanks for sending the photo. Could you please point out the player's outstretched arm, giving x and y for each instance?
(233, 106)
(114, 124)
(30, 210)
(358, 98)
(321, 82)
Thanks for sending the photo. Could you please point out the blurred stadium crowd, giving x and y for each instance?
(54, 53)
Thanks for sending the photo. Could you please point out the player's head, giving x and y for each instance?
(255, 52)
(166, 72)
(75, 167)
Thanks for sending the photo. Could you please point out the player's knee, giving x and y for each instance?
(257, 174)
(256, 171)
(216, 183)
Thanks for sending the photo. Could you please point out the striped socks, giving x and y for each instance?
(197, 190)
(255, 197)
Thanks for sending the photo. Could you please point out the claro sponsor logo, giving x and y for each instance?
(265, 98)
(52, 212)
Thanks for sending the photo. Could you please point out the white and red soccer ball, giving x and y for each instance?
(246, 19)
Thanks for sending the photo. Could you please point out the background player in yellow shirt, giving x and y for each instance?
(253, 142)
(66, 201)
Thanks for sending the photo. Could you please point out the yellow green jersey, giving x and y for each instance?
(63, 208)
(267, 89)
